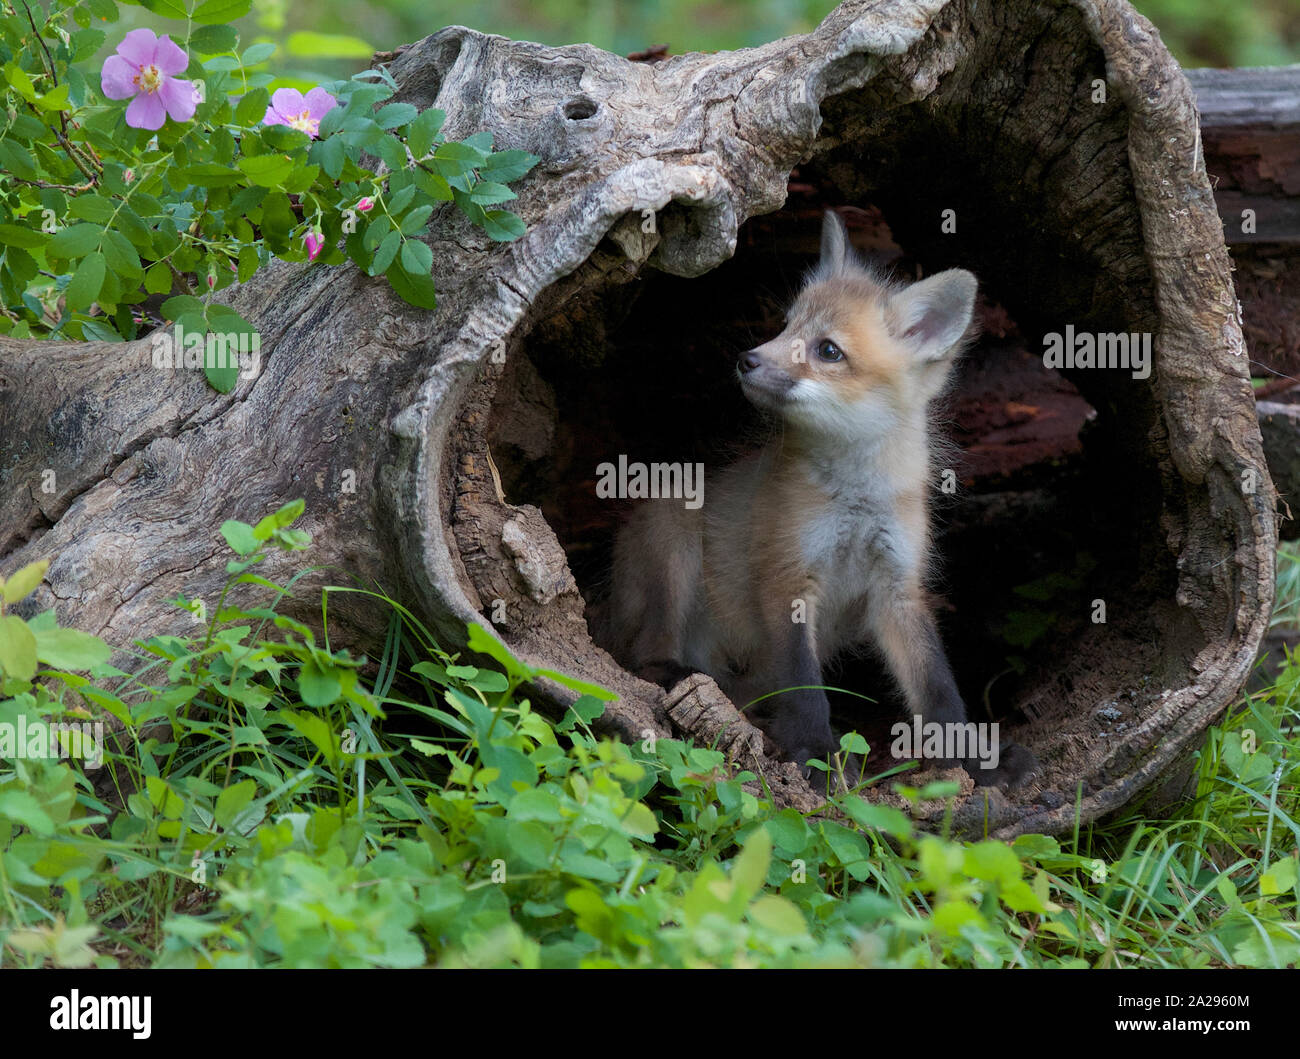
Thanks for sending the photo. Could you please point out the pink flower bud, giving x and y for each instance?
(366, 205)
(315, 243)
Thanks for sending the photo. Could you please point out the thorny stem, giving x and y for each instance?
(62, 132)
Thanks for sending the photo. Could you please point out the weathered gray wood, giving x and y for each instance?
(1094, 214)
(1250, 130)
(1246, 97)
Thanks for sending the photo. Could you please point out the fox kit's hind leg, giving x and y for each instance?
(909, 639)
(659, 647)
(657, 563)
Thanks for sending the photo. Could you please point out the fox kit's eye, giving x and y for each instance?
(828, 350)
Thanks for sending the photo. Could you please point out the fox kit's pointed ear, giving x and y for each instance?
(835, 247)
(931, 316)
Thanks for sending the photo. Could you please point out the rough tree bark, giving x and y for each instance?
(1072, 208)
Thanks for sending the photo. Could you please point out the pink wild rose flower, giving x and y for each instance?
(290, 107)
(145, 67)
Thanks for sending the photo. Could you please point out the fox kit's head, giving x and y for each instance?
(860, 355)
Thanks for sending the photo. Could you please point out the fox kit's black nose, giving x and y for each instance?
(748, 362)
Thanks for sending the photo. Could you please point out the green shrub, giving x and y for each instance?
(273, 802)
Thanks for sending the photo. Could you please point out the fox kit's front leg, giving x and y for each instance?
(798, 719)
(910, 642)
(909, 639)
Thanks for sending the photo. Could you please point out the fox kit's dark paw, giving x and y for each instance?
(667, 673)
(826, 782)
(1016, 765)
(821, 749)
(812, 775)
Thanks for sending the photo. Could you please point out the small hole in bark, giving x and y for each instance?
(580, 109)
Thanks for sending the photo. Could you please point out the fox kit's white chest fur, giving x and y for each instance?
(804, 533)
(819, 542)
(872, 514)
(868, 537)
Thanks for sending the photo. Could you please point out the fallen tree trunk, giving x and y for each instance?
(450, 457)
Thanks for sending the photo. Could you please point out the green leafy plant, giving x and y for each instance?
(104, 205)
(267, 800)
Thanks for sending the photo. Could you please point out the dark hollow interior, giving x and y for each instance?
(1068, 489)
(1053, 509)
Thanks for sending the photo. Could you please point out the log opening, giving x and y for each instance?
(1042, 526)
(1105, 518)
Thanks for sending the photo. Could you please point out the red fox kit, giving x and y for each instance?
(820, 541)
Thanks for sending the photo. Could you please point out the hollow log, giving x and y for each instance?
(1104, 606)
